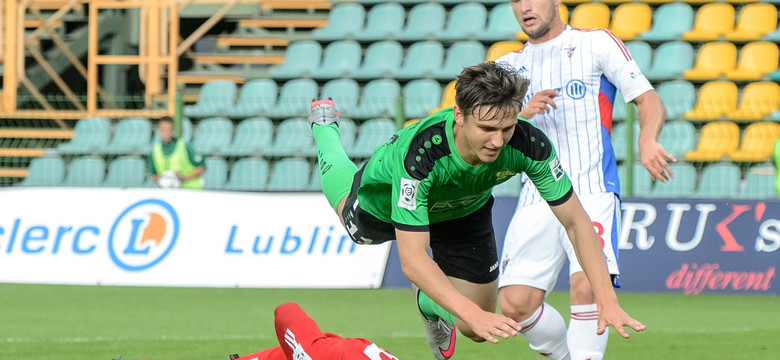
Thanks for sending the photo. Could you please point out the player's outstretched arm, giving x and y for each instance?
(420, 269)
(652, 115)
(588, 249)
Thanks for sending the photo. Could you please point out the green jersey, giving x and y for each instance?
(417, 177)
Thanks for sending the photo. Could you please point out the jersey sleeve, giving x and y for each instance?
(619, 67)
(540, 163)
(410, 202)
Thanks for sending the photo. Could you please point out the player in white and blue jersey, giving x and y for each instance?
(574, 74)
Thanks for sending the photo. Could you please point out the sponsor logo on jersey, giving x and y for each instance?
(502, 175)
(576, 89)
(556, 169)
(408, 196)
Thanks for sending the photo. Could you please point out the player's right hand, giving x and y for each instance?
(490, 326)
(541, 103)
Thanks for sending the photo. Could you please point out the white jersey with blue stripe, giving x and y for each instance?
(585, 67)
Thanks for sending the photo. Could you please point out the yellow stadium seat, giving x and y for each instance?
(590, 16)
(563, 11)
(712, 20)
(713, 60)
(631, 19)
(716, 99)
(502, 48)
(757, 142)
(756, 60)
(655, 2)
(755, 21)
(447, 98)
(759, 99)
(717, 140)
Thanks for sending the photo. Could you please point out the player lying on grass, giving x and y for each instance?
(429, 186)
(301, 339)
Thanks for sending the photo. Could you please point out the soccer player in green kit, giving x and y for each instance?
(429, 186)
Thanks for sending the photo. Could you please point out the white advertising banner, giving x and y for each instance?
(155, 237)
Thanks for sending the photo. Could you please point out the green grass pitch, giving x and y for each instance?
(104, 323)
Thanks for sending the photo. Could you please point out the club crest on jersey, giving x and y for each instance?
(408, 196)
(556, 169)
(569, 51)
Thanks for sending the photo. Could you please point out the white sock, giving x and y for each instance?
(545, 332)
(583, 342)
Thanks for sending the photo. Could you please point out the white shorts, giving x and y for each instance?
(536, 244)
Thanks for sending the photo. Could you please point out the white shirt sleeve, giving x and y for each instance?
(619, 67)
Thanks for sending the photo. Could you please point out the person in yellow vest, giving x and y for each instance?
(175, 155)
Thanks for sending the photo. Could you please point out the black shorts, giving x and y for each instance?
(464, 248)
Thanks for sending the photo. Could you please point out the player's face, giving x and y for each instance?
(535, 16)
(165, 128)
(484, 133)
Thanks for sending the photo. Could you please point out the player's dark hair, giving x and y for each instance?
(490, 85)
(166, 119)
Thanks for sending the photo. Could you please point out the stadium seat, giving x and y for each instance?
(249, 174)
(315, 178)
(256, 97)
(682, 185)
(563, 12)
(131, 136)
(466, 22)
(714, 60)
(619, 144)
(664, 69)
(340, 60)
(678, 97)
(510, 187)
(345, 21)
(300, 59)
(292, 137)
(756, 60)
(215, 98)
(345, 94)
(670, 21)
(460, 55)
(775, 75)
(385, 21)
(253, 137)
(619, 107)
(420, 96)
(630, 20)
(373, 132)
(422, 60)
(85, 171)
(759, 100)
(91, 135)
(719, 181)
(501, 48)
(501, 24)
(423, 22)
(760, 182)
(642, 181)
(716, 99)
(290, 174)
(382, 59)
(447, 98)
(641, 52)
(774, 35)
(212, 136)
(590, 16)
(712, 20)
(215, 176)
(294, 99)
(677, 138)
(757, 142)
(126, 171)
(378, 99)
(45, 171)
(716, 140)
(754, 21)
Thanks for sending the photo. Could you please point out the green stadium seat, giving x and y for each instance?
(372, 133)
(670, 21)
(300, 59)
(340, 60)
(290, 174)
(719, 181)
(253, 137)
(641, 52)
(466, 22)
(86, 171)
(378, 99)
(664, 69)
(257, 96)
(382, 59)
(678, 137)
(314, 179)
(501, 24)
(248, 174)
(460, 55)
(775, 75)
(760, 182)
(619, 107)
(45, 171)
(215, 176)
(215, 98)
(420, 96)
(131, 136)
(423, 22)
(126, 171)
(619, 141)
(642, 181)
(682, 185)
(292, 137)
(345, 21)
(345, 94)
(294, 99)
(91, 135)
(422, 60)
(212, 135)
(384, 22)
(510, 187)
(679, 96)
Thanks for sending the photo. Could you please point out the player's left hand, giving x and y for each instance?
(654, 159)
(180, 176)
(615, 316)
